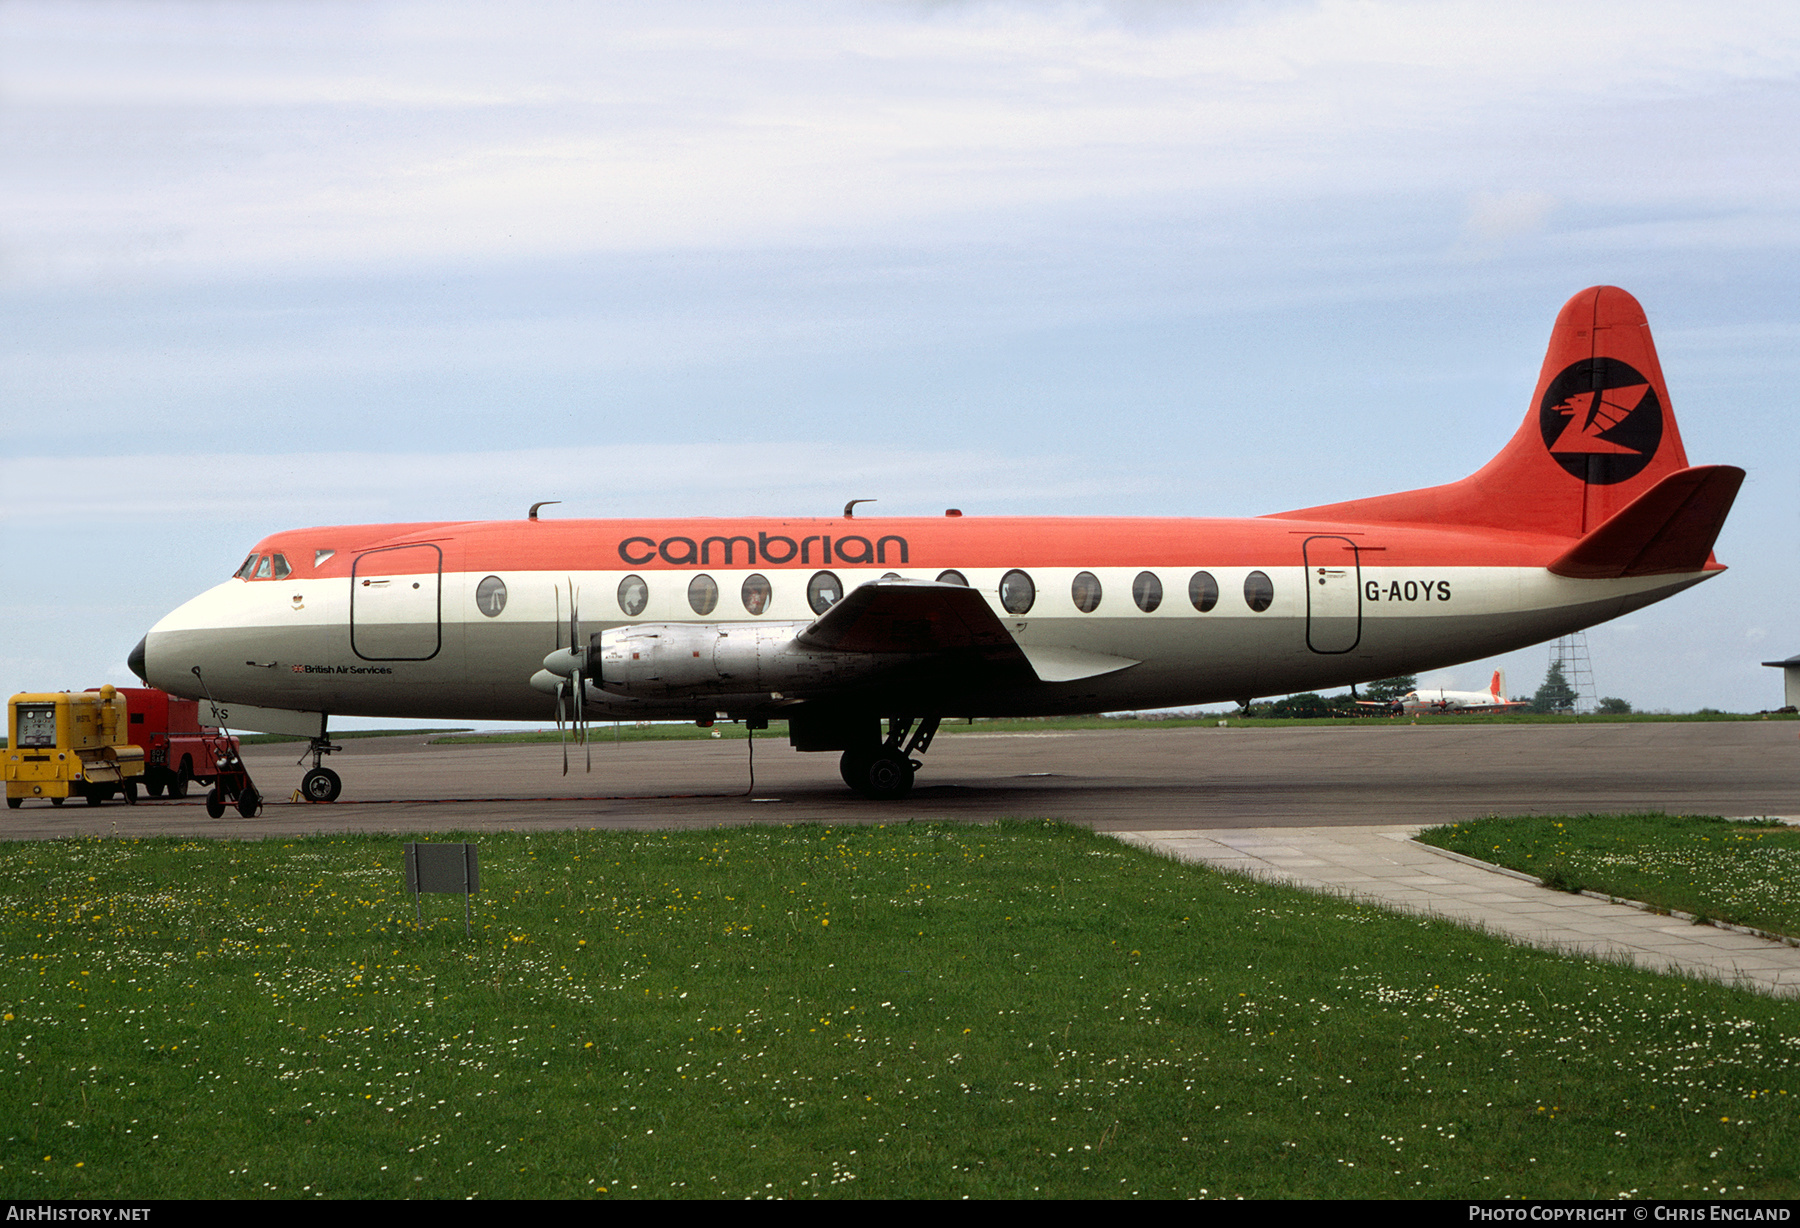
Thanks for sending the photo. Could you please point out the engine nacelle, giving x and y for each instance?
(675, 659)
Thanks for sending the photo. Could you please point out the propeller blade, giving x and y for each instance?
(575, 644)
(561, 739)
(578, 652)
(581, 710)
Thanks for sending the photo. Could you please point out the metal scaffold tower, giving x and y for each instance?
(1571, 652)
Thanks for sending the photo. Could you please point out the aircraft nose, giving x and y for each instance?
(136, 660)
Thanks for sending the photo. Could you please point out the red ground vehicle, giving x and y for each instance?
(177, 747)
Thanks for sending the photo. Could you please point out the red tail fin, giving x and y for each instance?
(1599, 433)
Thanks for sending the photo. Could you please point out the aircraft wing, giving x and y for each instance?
(910, 616)
(925, 618)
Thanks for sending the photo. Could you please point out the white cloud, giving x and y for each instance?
(206, 138)
(287, 490)
(1495, 217)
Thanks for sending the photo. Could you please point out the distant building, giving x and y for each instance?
(1790, 674)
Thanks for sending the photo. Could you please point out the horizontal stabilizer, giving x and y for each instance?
(1668, 529)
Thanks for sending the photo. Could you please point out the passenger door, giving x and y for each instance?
(395, 603)
(1333, 595)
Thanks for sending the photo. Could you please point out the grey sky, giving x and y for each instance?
(264, 265)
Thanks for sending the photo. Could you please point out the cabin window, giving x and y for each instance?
(823, 591)
(1259, 593)
(283, 571)
(1203, 591)
(756, 594)
(244, 572)
(490, 596)
(1017, 592)
(953, 577)
(703, 594)
(1146, 590)
(634, 595)
(1085, 592)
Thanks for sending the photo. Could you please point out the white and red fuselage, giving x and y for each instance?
(1590, 512)
(390, 623)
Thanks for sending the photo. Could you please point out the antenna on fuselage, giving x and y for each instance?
(532, 514)
(849, 508)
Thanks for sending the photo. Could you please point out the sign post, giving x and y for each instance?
(443, 869)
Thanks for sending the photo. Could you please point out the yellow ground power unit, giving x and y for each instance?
(70, 744)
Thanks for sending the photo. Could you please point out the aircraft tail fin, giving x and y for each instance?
(1497, 687)
(1599, 434)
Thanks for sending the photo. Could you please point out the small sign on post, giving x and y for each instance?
(443, 869)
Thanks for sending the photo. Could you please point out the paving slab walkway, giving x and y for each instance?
(1383, 865)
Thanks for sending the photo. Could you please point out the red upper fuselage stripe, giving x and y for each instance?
(916, 547)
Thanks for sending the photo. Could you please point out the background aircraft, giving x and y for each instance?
(1428, 700)
(841, 626)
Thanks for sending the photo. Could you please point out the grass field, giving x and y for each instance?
(1020, 1010)
(1746, 872)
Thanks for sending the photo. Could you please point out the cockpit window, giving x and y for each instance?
(243, 573)
(262, 568)
(319, 557)
(282, 570)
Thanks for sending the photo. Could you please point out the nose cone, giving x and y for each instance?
(136, 661)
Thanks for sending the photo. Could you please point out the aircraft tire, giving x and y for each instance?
(215, 804)
(881, 775)
(249, 802)
(321, 785)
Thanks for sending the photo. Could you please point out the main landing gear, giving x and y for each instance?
(884, 771)
(321, 784)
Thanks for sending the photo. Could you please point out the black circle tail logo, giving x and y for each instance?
(1601, 420)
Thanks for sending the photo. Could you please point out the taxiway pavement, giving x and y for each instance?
(1358, 774)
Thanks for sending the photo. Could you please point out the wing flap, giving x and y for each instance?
(1053, 664)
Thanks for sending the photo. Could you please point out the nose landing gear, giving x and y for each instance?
(884, 772)
(321, 784)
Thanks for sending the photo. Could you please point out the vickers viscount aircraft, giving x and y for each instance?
(842, 626)
(1436, 700)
